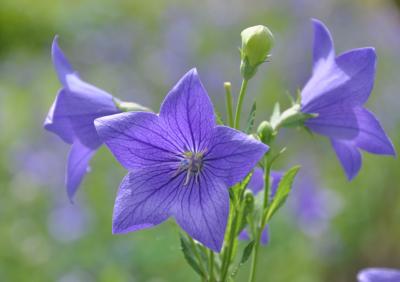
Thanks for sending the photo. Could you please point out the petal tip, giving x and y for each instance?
(60, 61)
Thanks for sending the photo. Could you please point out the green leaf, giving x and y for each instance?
(245, 257)
(276, 156)
(247, 252)
(251, 118)
(298, 96)
(188, 253)
(284, 188)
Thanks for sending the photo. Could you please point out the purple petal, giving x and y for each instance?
(57, 121)
(77, 104)
(82, 107)
(360, 65)
(338, 121)
(323, 50)
(348, 155)
(265, 236)
(232, 155)
(145, 198)
(347, 79)
(77, 167)
(379, 275)
(372, 138)
(203, 210)
(60, 61)
(138, 139)
(256, 183)
(244, 235)
(188, 113)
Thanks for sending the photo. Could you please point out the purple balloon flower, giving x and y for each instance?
(379, 275)
(256, 185)
(180, 164)
(72, 117)
(336, 92)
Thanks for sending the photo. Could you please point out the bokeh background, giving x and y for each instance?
(137, 50)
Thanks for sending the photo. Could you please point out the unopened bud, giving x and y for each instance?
(265, 132)
(257, 42)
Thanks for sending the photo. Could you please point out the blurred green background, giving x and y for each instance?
(137, 50)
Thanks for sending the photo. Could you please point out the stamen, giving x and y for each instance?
(192, 163)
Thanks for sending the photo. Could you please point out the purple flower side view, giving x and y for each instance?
(336, 92)
(256, 185)
(180, 164)
(72, 117)
(379, 275)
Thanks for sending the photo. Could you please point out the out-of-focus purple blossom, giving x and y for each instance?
(72, 117)
(256, 185)
(180, 164)
(67, 223)
(336, 92)
(379, 275)
(312, 206)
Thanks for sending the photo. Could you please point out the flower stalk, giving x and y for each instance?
(242, 94)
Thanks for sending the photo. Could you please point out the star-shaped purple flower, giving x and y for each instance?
(180, 164)
(72, 117)
(256, 185)
(336, 92)
(379, 275)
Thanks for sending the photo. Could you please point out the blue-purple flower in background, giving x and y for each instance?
(72, 117)
(313, 206)
(256, 185)
(180, 164)
(379, 275)
(336, 92)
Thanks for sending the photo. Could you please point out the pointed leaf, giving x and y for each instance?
(284, 188)
(245, 257)
(247, 252)
(251, 118)
(188, 253)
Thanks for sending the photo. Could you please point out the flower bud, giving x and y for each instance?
(265, 132)
(249, 202)
(257, 42)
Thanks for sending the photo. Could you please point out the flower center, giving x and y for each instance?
(192, 163)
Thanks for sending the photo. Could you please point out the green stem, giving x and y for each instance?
(267, 171)
(211, 265)
(254, 257)
(196, 253)
(228, 252)
(228, 99)
(242, 93)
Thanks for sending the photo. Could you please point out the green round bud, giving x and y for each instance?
(249, 201)
(265, 132)
(257, 42)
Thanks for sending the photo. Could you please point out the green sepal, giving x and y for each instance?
(276, 113)
(218, 118)
(129, 106)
